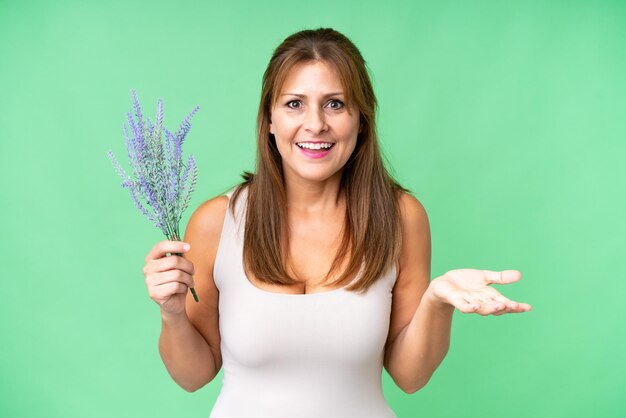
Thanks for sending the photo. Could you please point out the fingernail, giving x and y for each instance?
(186, 247)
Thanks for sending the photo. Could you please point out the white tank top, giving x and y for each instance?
(317, 355)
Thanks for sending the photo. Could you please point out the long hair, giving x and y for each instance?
(371, 236)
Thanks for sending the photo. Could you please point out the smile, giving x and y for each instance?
(315, 150)
(315, 145)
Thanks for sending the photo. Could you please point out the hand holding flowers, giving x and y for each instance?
(168, 278)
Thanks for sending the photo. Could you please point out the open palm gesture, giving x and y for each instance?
(468, 290)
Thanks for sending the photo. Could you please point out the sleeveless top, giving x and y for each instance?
(317, 355)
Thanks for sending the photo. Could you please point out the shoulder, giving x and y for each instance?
(209, 215)
(204, 229)
(415, 249)
(412, 212)
(208, 218)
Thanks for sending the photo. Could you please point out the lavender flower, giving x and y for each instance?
(157, 169)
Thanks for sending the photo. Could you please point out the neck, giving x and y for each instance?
(314, 198)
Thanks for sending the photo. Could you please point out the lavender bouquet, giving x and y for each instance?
(157, 169)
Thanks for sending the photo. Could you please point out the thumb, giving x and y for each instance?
(502, 277)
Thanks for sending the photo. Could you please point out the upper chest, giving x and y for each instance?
(313, 245)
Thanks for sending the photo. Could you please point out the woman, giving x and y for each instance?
(314, 272)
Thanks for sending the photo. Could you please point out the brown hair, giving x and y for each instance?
(372, 228)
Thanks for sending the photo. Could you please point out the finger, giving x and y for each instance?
(494, 303)
(164, 292)
(502, 277)
(496, 309)
(512, 311)
(463, 305)
(159, 279)
(504, 301)
(474, 303)
(484, 309)
(515, 307)
(177, 287)
(173, 262)
(486, 304)
(163, 247)
(524, 307)
(490, 305)
(510, 305)
(483, 296)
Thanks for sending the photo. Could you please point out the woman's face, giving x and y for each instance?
(314, 129)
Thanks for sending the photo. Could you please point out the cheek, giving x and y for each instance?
(352, 145)
(351, 136)
(283, 143)
(351, 149)
(282, 147)
(284, 130)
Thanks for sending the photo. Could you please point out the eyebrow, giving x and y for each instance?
(338, 93)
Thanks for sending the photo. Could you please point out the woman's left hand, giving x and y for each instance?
(468, 290)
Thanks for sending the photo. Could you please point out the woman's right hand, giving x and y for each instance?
(168, 277)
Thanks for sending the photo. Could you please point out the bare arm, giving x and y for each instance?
(189, 343)
(419, 331)
(185, 353)
(422, 345)
(421, 320)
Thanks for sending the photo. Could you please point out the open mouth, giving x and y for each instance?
(315, 147)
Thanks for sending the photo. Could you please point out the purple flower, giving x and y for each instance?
(157, 168)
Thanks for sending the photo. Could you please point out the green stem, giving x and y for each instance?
(175, 237)
(193, 291)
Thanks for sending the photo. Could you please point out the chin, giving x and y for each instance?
(319, 176)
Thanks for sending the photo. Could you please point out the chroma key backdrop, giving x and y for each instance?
(506, 119)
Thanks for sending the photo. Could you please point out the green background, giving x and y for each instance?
(505, 119)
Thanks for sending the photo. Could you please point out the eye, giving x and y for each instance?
(289, 103)
(335, 104)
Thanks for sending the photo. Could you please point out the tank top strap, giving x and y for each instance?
(229, 250)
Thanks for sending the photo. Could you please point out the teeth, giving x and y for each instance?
(310, 145)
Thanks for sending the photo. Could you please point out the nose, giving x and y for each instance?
(315, 122)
